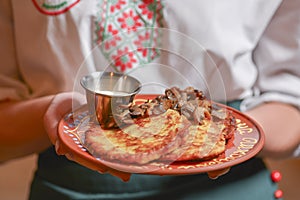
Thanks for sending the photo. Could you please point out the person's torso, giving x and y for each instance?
(206, 43)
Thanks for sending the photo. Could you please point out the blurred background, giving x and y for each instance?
(15, 177)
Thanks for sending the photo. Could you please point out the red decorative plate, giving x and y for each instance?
(247, 142)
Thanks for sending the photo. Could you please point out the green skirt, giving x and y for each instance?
(58, 178)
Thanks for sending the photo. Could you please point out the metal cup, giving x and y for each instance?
(105, 92)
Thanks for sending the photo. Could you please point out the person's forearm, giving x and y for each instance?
(22, 131)
(281, 123)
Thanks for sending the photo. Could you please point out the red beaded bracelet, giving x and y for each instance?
(276, 177)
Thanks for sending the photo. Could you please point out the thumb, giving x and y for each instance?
(59, 106)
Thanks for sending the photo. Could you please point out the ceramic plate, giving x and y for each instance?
(247, 142)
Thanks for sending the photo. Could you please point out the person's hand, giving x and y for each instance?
(215, 174)
(61, 104)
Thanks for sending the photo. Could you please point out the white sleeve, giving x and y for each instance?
(11, 84)
(277, 58)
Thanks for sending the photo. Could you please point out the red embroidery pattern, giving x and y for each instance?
(130, 21)
(124, 31)
(117, 5)
(54, 7)
(126, 60)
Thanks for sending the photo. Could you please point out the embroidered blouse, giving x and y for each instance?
(234, 50)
